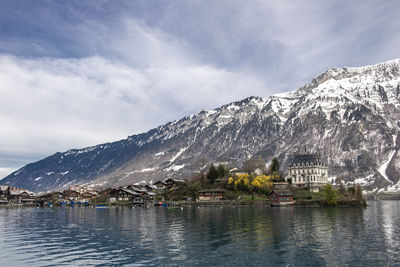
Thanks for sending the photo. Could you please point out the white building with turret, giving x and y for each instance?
(308, 171)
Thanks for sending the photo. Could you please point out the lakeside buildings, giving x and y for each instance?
(308, 171)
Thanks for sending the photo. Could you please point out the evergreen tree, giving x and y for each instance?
(274, 167)
(212, 174)
(221, 171)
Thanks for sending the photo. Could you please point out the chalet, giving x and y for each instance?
(85, 197)
(151, 195)
(281, 197)
(18, 195)
(172, 183)
(150, 187)
(137, 189)
(281, 185)
(160, 185)
(60, 196)
(122, 194)
(4, 193)
(71, 195)
(139, 200)
(236, 171)
(308, 171)
(26, 198)
(211, 194)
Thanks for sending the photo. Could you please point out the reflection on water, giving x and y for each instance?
(289, 236)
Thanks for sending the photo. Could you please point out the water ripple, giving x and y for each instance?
(197, 236)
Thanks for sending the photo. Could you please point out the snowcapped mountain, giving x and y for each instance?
(350, 115)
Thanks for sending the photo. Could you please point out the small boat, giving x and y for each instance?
(101, 206)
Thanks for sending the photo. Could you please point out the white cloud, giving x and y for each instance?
(5, 171)
(56, 104)
(134, 72)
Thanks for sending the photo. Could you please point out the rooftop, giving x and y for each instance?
(306, 158)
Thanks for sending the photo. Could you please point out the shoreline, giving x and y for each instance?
(169, 204)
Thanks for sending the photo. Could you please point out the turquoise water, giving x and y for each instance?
(289, 236)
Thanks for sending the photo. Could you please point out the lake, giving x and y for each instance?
(227, 236)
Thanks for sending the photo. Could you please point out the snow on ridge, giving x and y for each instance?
(259, 103)
(210, 111)
(395, 61)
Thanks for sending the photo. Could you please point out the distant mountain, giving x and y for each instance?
(351, 116)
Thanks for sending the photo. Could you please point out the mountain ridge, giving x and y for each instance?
(350, 115)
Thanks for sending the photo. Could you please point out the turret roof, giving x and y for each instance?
(306, 158)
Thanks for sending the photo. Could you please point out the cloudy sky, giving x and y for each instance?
(79, 73)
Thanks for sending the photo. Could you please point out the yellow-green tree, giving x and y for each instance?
(262, 183)
(241, 182)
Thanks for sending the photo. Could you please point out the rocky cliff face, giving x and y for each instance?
(350, 115)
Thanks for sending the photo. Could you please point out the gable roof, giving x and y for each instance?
(125, 190)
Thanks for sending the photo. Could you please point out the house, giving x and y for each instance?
(122, 194)
(71, 195)
(281, 185)
(26, 198)
(85, 197)
(281, 197)
(18, 195)
(211, 194)
(308, 171)
(151, 195)
(139, 200)
(137, 189)
(160, 185)
(4, 193)
(171, 183)
(236, 172)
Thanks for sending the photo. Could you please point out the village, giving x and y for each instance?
(305, 184)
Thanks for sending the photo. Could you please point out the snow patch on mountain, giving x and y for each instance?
(383, 167)
(148, 169)
(175, 167)
(177, 154)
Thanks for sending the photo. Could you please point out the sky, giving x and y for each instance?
(80, 73)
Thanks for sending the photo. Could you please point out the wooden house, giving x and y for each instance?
(172, 183)
(281, 197)
(18, 195)
(4, 193)
(137, 189)
(71, 195)
(86, 197)
(121, 194)
(211, 194)
(160, 185)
